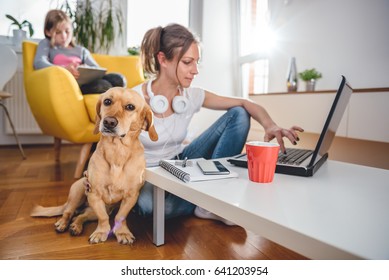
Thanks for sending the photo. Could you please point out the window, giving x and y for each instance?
(146, 14)
(255, 40)
(256, 75)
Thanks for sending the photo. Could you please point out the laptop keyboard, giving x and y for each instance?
(293, 156)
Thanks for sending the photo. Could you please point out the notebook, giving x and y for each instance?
(191, 172)
(88, 74)
(312, 159)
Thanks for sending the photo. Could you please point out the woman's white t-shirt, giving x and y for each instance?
(172, 130)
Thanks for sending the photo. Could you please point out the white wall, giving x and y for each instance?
(349, 37)
(146, 14)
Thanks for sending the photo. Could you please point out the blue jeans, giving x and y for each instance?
(226, 137)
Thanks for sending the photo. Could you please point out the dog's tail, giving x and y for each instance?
(40, 211)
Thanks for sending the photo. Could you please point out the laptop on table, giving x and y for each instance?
(302, 162)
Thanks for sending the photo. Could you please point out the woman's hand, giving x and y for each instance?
(279, 133)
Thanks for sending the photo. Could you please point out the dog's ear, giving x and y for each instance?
(148, 123)
(98, 117)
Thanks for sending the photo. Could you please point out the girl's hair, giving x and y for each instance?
(53, 19)
(172, 40)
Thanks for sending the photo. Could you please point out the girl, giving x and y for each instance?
(58, 48)
(171, 55)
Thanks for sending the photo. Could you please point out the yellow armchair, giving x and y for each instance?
(58, 105)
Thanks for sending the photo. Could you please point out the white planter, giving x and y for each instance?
(310, 85)
(18, 37)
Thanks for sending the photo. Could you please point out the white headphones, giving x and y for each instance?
(159, 103)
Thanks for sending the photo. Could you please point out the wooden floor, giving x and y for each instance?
(38, 179)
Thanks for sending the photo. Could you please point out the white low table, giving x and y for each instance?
(342, 212)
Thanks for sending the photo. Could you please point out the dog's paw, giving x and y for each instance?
(60, 226)
(124, 236)
(98, 237)
(76, 229)
(125, 239)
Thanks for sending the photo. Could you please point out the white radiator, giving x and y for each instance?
(18, 108)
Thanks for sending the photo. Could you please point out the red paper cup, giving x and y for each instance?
(262, 160)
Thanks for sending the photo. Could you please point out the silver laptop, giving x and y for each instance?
(303, 162)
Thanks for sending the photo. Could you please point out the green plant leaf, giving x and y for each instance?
(14, 21)
(310, 74)
(133, 51)
(97, 28)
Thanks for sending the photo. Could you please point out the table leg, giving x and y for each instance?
(158, 216)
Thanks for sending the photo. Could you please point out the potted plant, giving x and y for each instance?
(135, 50)
(310, 76)
(19, 34)
(96, 28)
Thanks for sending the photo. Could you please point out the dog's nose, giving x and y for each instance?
(110, 122)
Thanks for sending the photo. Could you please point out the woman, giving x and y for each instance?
(171, 56)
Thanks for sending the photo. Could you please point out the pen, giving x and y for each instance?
(184, 162)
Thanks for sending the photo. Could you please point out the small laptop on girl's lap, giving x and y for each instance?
(303, 162)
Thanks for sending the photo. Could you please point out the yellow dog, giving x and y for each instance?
(115, 172)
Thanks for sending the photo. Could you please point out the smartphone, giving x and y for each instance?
(212, 167)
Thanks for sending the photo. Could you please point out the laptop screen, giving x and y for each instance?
(335, 115)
